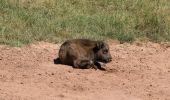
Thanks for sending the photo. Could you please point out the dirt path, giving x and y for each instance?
(137, 72)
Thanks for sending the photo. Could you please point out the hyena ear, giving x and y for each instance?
(99, 45)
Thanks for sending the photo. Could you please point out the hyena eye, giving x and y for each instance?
(105, 51)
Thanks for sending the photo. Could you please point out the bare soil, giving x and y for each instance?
(139, 71)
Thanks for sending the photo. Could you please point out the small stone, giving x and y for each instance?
(39, 74)
(149, 94)
(61, 95)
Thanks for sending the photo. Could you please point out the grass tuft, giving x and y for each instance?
(26, 21)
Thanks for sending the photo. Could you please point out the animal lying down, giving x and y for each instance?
(84, 54)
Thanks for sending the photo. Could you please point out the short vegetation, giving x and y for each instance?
(26, 21)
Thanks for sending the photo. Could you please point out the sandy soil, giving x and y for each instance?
(139, 71)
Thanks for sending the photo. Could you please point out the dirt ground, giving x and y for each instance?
(139, 71)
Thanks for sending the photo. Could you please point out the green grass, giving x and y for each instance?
(26, 21)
